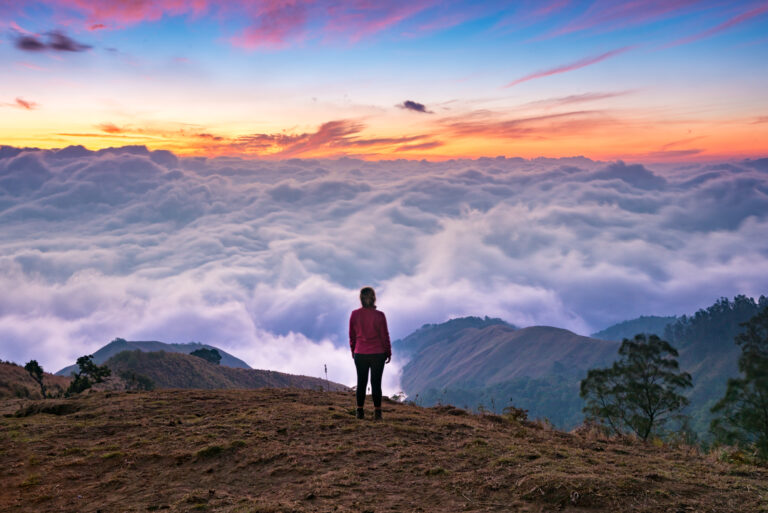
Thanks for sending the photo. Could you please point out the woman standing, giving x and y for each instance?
(369, 342)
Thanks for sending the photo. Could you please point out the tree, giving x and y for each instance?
(34, 370)
(134, 381)
(743, 411)
(640, 391)
(209, 355)
(89, 374)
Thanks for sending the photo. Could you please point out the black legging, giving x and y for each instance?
(375, 362)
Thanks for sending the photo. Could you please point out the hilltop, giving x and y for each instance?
(648, 324)
(287, 450)
(177, 370)
(119, 345)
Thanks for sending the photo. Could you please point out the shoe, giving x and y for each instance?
(377, 414)
(360, 413)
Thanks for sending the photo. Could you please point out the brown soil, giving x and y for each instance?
(281, 450)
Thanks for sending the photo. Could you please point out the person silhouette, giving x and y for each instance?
(371, 349)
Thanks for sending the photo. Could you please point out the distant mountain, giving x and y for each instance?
(448, 331)
(118, 345)
(177, 370)
(473, 362)
(647, 324)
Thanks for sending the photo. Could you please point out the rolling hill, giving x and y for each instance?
(283, 450)
(487, 363)
(177, 370)
(474, 362)
(648, 324)
(16, 382)
(118, 345)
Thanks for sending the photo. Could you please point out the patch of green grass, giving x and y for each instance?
(113, 454)
(505, 461)
(32, 480)
(209, 452)
(435, 471)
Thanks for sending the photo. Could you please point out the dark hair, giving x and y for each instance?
(368, 297)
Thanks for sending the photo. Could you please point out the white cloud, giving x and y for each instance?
(264, 259)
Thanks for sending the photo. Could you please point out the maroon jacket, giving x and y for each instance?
(368, 332)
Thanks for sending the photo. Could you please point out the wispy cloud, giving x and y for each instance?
(414, 106)
(605, 15)
(581, 63)
(24, 104)
(576, 98)
(21, 103)
(736, 20)
(492, 125)
(421, 146)
(671, 154)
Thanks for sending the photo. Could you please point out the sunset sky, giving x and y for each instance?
(177, 170)
(651, 80)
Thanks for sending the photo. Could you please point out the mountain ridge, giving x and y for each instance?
(118, 345)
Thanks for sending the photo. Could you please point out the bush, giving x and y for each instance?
(89, 374)
(209, 355)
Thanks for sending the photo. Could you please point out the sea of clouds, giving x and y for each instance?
(264, 259)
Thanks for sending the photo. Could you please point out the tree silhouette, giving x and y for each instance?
(209, 355)
(639, 392)
(743, 411)
(34, 370)
(89, 374)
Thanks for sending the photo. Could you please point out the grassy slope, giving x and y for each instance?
(177, 370)
(275, 450)
(536, 368)
(483, 357)
(16, 382)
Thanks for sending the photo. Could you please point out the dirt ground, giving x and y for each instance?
(285, 450)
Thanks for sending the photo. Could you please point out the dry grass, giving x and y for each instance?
(278, 450)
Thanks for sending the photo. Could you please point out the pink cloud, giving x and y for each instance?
(588, 61)
(269, 23)
(741, 18)
(24, 104)
(274, 25)
(363, 18)
(611, 15)
(129, 12)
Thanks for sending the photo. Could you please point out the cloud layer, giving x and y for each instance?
(264, 259)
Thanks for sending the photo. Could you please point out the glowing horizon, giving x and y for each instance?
(661, 81)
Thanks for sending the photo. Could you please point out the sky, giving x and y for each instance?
(650, 80)
(190, 171)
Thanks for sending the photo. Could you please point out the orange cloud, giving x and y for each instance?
(110, 128)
